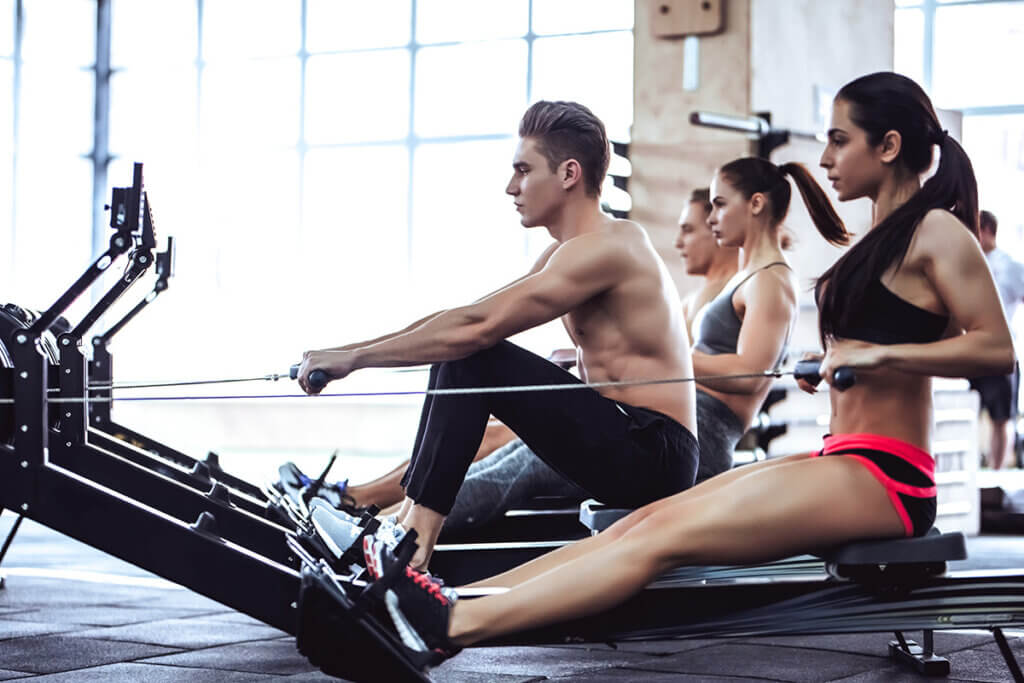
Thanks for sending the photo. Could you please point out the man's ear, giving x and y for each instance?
(889, 148)
(570, 173)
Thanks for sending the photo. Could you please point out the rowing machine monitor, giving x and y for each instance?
(147, 238)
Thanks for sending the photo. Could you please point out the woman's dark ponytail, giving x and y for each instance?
(754, 174)
(823, 214)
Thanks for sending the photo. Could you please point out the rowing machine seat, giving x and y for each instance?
(863, 561)
(895, 562)
(934, 546)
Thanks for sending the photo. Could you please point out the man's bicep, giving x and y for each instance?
(530, 302)
(561, 286)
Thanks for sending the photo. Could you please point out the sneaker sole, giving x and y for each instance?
(371, 553)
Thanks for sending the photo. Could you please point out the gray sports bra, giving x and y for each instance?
(720, 326)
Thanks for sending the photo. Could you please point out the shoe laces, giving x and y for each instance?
(427, 583)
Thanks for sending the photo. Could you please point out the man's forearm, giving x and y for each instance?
(408, 328)
(450, 335)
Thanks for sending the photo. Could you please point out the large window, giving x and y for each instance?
(967, 55)
(328, 168)
(7, 118)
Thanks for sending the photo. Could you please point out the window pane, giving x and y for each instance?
(908, 43)
(244, 225)
(53, 225)
(470, 89)
(251, 28)
(605, 86)
(153, 111)
(144, 31)
(440, 21)
(6, 178)
(355, 217)
(964, 73)
(250, 103)
(469, 242)
(60, 33)
(6, 28)
(56, 109)
(996, 147)
(908, 3)
(6, 106)
(354, 24)
(577, 16)
(358, 96)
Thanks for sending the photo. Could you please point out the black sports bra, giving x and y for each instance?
(885, 318)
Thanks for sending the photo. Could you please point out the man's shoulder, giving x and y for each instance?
(619, 250)
(611, 238)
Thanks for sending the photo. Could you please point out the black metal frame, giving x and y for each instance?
(115, 505)
(201, 474)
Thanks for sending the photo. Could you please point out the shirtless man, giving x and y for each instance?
(703, 255)
(627, 445)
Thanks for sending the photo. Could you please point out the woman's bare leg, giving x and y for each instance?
(383, 491)
(403, 511)
(391, 510)
(800, 504)
(571, 551)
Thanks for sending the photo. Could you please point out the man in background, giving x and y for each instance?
(702, 255)
(999, 393)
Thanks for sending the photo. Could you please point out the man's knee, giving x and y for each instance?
(472, 366)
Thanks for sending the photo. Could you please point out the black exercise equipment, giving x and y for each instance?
(63, 481)
(869, 587)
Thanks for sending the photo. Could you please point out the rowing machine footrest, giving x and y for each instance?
(894, 558)
(914, 656)
(336, 541)
(345, 641)
(597, 517)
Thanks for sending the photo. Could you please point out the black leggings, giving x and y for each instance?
(621, 454)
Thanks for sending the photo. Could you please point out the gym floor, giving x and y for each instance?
(71, 613)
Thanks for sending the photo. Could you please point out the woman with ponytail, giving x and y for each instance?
(746, 328)
(912, 299)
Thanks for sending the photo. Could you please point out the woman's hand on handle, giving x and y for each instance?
(803, 383)
(856, 355)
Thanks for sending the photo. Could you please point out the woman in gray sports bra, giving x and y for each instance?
(746, 328)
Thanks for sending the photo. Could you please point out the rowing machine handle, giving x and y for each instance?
(318, 379)
(807, 370)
